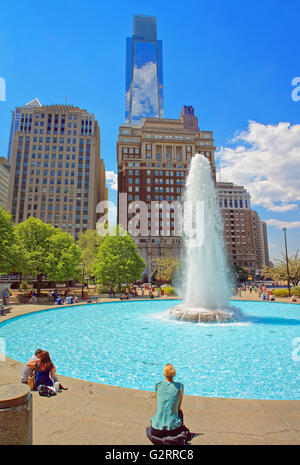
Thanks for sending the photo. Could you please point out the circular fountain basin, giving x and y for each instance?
(127, 344)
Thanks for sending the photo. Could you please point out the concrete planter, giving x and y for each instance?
(15, 414)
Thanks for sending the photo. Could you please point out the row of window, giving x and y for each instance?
(157, 181)
(159, 189)
(168, 198)
(158, 173)
(54, 140)
(233, 203)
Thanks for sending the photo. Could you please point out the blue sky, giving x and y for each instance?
(233, 61)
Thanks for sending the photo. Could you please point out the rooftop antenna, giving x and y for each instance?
(219, 169)
(66, 100)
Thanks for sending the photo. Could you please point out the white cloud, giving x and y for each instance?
(282, 224)
(267, 163)
(112, 180)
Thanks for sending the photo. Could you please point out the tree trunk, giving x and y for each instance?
(39, 284)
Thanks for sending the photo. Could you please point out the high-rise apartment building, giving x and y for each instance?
(4, 181)
(245, 234)
(240, 236)
(144, 72)
(153, 160)
(261, 240)
(56, 171)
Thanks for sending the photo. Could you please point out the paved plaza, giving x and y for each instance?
(92, 413)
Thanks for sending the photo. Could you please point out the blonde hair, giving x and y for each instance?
(169, 371)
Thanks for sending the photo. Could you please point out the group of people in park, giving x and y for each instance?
(132, 292)
(263, 292)
(66, 298)
(166, 426)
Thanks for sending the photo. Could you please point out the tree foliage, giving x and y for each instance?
(64, 258)
(43, 249)
(279, 271)
(166, 268)
(89, 242)
(241, 274)
(118, 260)
(7, 256)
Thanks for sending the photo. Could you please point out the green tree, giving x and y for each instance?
(64, 258)
(43, 249)
(166, 268)
(279, 271)
(118, 260)
(241, 273)
(7, 256)
(89, 242)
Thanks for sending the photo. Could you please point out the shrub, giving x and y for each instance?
(169, 290)
(281, 292)
(24, 287)
(295, 291)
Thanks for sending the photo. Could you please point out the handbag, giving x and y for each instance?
(31, 381)
(32, 377)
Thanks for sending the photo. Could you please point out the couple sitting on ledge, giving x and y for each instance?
(167, 425)
(41, 366)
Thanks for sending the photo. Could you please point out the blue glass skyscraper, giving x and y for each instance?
(144, 71)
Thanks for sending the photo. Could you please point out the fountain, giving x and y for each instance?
(206, 282)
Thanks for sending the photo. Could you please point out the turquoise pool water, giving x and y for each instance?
(128, 343)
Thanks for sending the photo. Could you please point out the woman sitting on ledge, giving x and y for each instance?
(167, 426)
(45, 370)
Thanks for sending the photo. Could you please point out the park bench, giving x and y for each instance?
(4, 309)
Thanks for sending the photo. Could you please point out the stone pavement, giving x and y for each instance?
(92, 413)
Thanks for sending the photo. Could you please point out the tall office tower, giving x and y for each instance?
(4, 181)
(153, 160)
(15, 122)
(56, 171)
(144, 72)
(245, 240)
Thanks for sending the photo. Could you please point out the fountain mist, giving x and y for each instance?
(206, 281)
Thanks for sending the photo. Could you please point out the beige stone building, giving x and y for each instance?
(4, 181)
(56, 171)
(243, 231)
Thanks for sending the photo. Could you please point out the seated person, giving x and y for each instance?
(134, 292)
(167, 426)
(59, 301)
(75, 300)
(112, 292)
(29, 367)
(28, 370)
(125, 296)
(69, 299)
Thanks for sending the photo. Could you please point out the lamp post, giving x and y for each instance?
(82, 286)
(287, 261)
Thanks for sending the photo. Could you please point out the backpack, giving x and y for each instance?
(46, 391)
